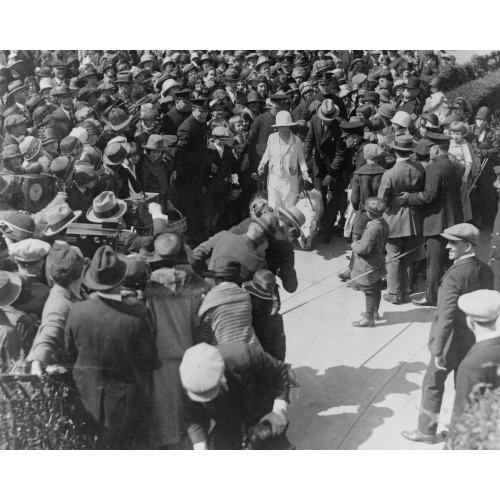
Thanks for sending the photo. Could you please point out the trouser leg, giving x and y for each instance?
(432, 398)
(393, 266)
(436, 258)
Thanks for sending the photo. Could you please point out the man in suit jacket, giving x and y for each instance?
(450, 339)
(176, 116)
(328, 88)
(236, 385)
(405, 222)
(18, 92)
(110, 342)
(481, 363)
(322, 139)
(442, 208)
(63, 115)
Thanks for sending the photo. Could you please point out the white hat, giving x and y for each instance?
(401, 118)
(284, 119)
(45, 83)
(482, 306)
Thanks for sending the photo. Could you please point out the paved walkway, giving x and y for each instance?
(359, 387)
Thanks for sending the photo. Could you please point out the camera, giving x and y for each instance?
(89, 237)
(257, 435)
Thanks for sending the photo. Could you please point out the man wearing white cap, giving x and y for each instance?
(481, 363)
(450, 338)
(237, 384)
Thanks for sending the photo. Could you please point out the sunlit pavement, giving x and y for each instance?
(359, 387)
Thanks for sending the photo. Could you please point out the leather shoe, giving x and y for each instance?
(364, 323)
(393, 298)
(422, 302)
(376, 315)
(418, 436)
(344, 276)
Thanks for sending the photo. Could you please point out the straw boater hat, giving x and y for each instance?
(59, 218)
(106, 207)
(294, 216)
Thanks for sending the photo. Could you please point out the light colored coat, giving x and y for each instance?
(285, 163)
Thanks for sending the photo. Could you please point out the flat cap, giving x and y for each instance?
(482, 306)
(13, 120)
(463, 231)
(438, 139)
(29, 250)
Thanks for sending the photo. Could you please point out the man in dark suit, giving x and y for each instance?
(236, 385)
(450, 339)
(110, 342)
(189, 167)
(63, 115)
(176, 116)
(442, 208)
(18, 92)
(322, 139)
(405, 222)
(481, 363)
(15, 130)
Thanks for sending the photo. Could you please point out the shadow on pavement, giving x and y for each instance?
(331, 404)
(420, 315)
(336, 248)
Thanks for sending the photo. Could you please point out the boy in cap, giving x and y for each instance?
(257, 390)
(450, 338)
(370, 256)
(481, 363)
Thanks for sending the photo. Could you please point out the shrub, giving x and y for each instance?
(478, 428)
(483, 91)
(456, 75)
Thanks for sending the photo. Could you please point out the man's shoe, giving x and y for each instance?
(376, 315)
(345, 275)
(364, 323)
(422, 302)
(393, 298)
(405, 298)
(419, 436)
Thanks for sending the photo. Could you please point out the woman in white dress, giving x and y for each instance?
(285, 156)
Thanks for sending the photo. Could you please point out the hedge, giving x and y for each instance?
(483, 91)
(478, 428)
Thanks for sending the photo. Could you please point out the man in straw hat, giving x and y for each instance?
(442, 208)
(480, 365)
(450, 338)
(405, 224)
(109, 342)
(240, 386)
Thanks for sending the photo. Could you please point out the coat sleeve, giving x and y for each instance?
(467, 378)
(367, 242)
(197, 421)
(432, 191)
(356, 192)
(271, 370)
(203, 252)
(267, 154)
(385, 189)
(445, 316)
(181, 147)
(309, 141)
(253, 137)
(300, 155)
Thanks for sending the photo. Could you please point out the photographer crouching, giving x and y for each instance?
(243, 390)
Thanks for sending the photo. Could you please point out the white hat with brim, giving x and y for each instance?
(284, 119)
(108, 208)
(61, 223)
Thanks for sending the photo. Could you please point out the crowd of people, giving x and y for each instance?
(185, 169)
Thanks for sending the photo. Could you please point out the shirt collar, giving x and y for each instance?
(111, 296)
(487, 336)
(466, 256)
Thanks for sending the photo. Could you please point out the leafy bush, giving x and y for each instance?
(483, 91)
(456, 75)
(42, 414)
(478, 428)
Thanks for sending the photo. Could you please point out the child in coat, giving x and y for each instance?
(370, 258)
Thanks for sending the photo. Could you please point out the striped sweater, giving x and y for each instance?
(226, 316)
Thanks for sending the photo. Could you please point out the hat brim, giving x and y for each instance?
(12, 296)
(326, 118)
(451, 237)
(277, 125)
(49, 232)
(8, 182)
(289, 218)
(124, 124)
(94, 285)
(209, 396)
(393, 146)
(92, 218)
(248, 286)
(10, 94)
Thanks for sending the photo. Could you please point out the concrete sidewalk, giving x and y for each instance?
(360, 387)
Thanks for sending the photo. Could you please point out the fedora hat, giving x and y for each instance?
(59, 218)
(124, 77)
(385, 73)
(106, 270)
(262, 285)
(431, 121)
(10, 288)
(106, 206)
(14, 87)
(284, 119)
(41, 116)
(254, 96)
(262, 60)
(119, 118)
(328, 111)
(294, 216)
(17, 226)
(413, 83)
(231, 75)
(155, 142)
(353, 125)
(402, 143)
(60, 90)
(33, 101)
(168, 248)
